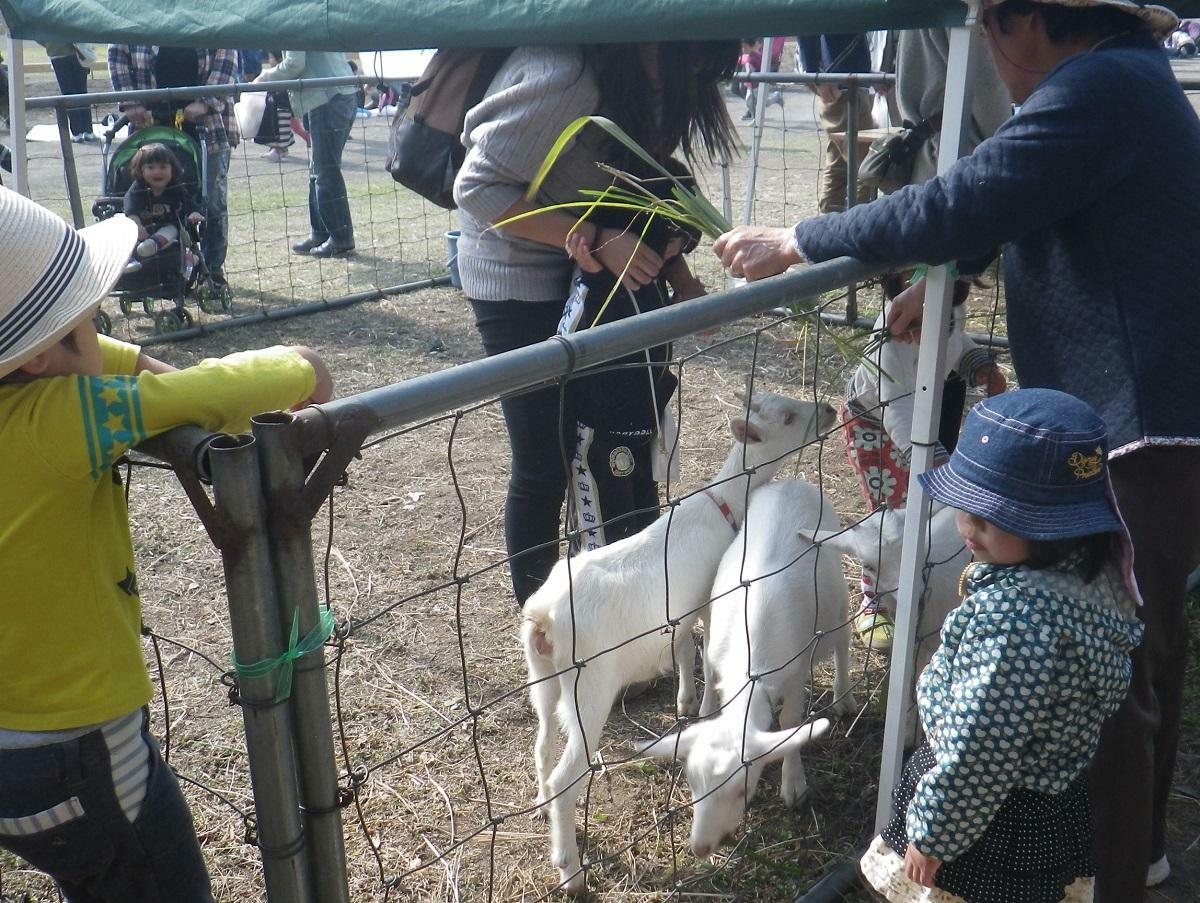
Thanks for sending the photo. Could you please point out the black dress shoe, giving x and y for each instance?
(331, 248)
(306, 246)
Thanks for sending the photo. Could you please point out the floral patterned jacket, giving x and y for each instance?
(1031, 664)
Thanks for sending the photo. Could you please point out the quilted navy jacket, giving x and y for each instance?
(1093, 189)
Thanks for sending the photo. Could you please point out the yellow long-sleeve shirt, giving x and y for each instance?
(70, 615)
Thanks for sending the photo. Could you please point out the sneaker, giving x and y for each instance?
(874, 626)
(84, 138)
(133, 266)
(748, 116)
(275, 154)
(1158, 872)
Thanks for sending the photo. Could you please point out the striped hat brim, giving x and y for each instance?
(81, 271)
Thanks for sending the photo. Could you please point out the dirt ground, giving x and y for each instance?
(411, 552)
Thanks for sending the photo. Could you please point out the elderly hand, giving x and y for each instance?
(827, 93)
(919, 867)
(755, 252)
(195, 111)
(138, 115)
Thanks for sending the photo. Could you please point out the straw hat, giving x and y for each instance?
(52, 277)
(1160, 19)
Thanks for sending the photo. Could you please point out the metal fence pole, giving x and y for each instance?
(931, 373)
(69, 171)
(257, 637)
(290, 538)
(16, 114)
(851, 182)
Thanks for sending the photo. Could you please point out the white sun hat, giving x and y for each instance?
(1160, 19)
(51, 276)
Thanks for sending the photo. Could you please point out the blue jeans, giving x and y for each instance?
(99, 857)
(328, 207)
(537, 482)
(216, 225)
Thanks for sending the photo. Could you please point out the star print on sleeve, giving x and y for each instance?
(112, 418)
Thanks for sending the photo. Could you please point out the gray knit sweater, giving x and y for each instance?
(534, 96)
(921, 61)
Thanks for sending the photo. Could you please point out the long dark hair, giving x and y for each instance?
(1094, 551)
(689, 114)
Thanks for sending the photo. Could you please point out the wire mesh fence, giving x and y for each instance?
(428, 685)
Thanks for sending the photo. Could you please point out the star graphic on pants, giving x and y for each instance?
(579, 469)
(586, 501)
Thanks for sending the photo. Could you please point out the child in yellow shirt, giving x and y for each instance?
(84, 793)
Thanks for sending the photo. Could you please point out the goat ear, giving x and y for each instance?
(672, 746)
(745, 432)
(746, 394)
(771, 746)
(838, 541)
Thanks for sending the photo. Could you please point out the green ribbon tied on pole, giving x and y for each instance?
(297, 648)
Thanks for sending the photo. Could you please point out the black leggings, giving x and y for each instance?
(537, 482)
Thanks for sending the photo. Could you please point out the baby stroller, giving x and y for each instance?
(179, 271)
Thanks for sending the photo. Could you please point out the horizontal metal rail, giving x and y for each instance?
(234, 89)
(436, 393)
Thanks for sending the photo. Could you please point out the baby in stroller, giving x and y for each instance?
(158, 201)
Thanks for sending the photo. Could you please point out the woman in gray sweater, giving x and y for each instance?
(518, 278)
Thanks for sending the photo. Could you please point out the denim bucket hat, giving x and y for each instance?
(1032, 462)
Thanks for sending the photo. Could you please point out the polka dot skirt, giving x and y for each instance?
(1033, 851)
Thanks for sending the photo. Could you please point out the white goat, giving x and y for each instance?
(622, 612)
(779, 607)
(876, 542)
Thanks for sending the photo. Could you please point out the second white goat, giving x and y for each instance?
(779, 607)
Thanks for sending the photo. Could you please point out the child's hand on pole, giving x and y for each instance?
(323, 391)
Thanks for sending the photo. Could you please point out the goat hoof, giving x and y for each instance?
(845, 706)
(795, 797)
(571, 880)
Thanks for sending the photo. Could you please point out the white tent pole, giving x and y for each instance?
(760, 106)
(16, 113)
(931, 374)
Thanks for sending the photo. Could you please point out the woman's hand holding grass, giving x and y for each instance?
(755, 252)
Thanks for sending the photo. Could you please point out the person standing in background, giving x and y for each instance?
(70, 62)
(827, 53)
(328, 114)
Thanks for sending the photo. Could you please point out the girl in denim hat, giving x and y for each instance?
(993, 807)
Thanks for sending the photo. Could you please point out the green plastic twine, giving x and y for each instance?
(297, 648)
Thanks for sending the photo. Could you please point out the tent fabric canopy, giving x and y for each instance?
(400, 24)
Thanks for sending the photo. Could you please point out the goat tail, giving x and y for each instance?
(536, 632)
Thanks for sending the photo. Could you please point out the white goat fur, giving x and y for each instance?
(876, 542)
(792, 615)
(618, 596)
